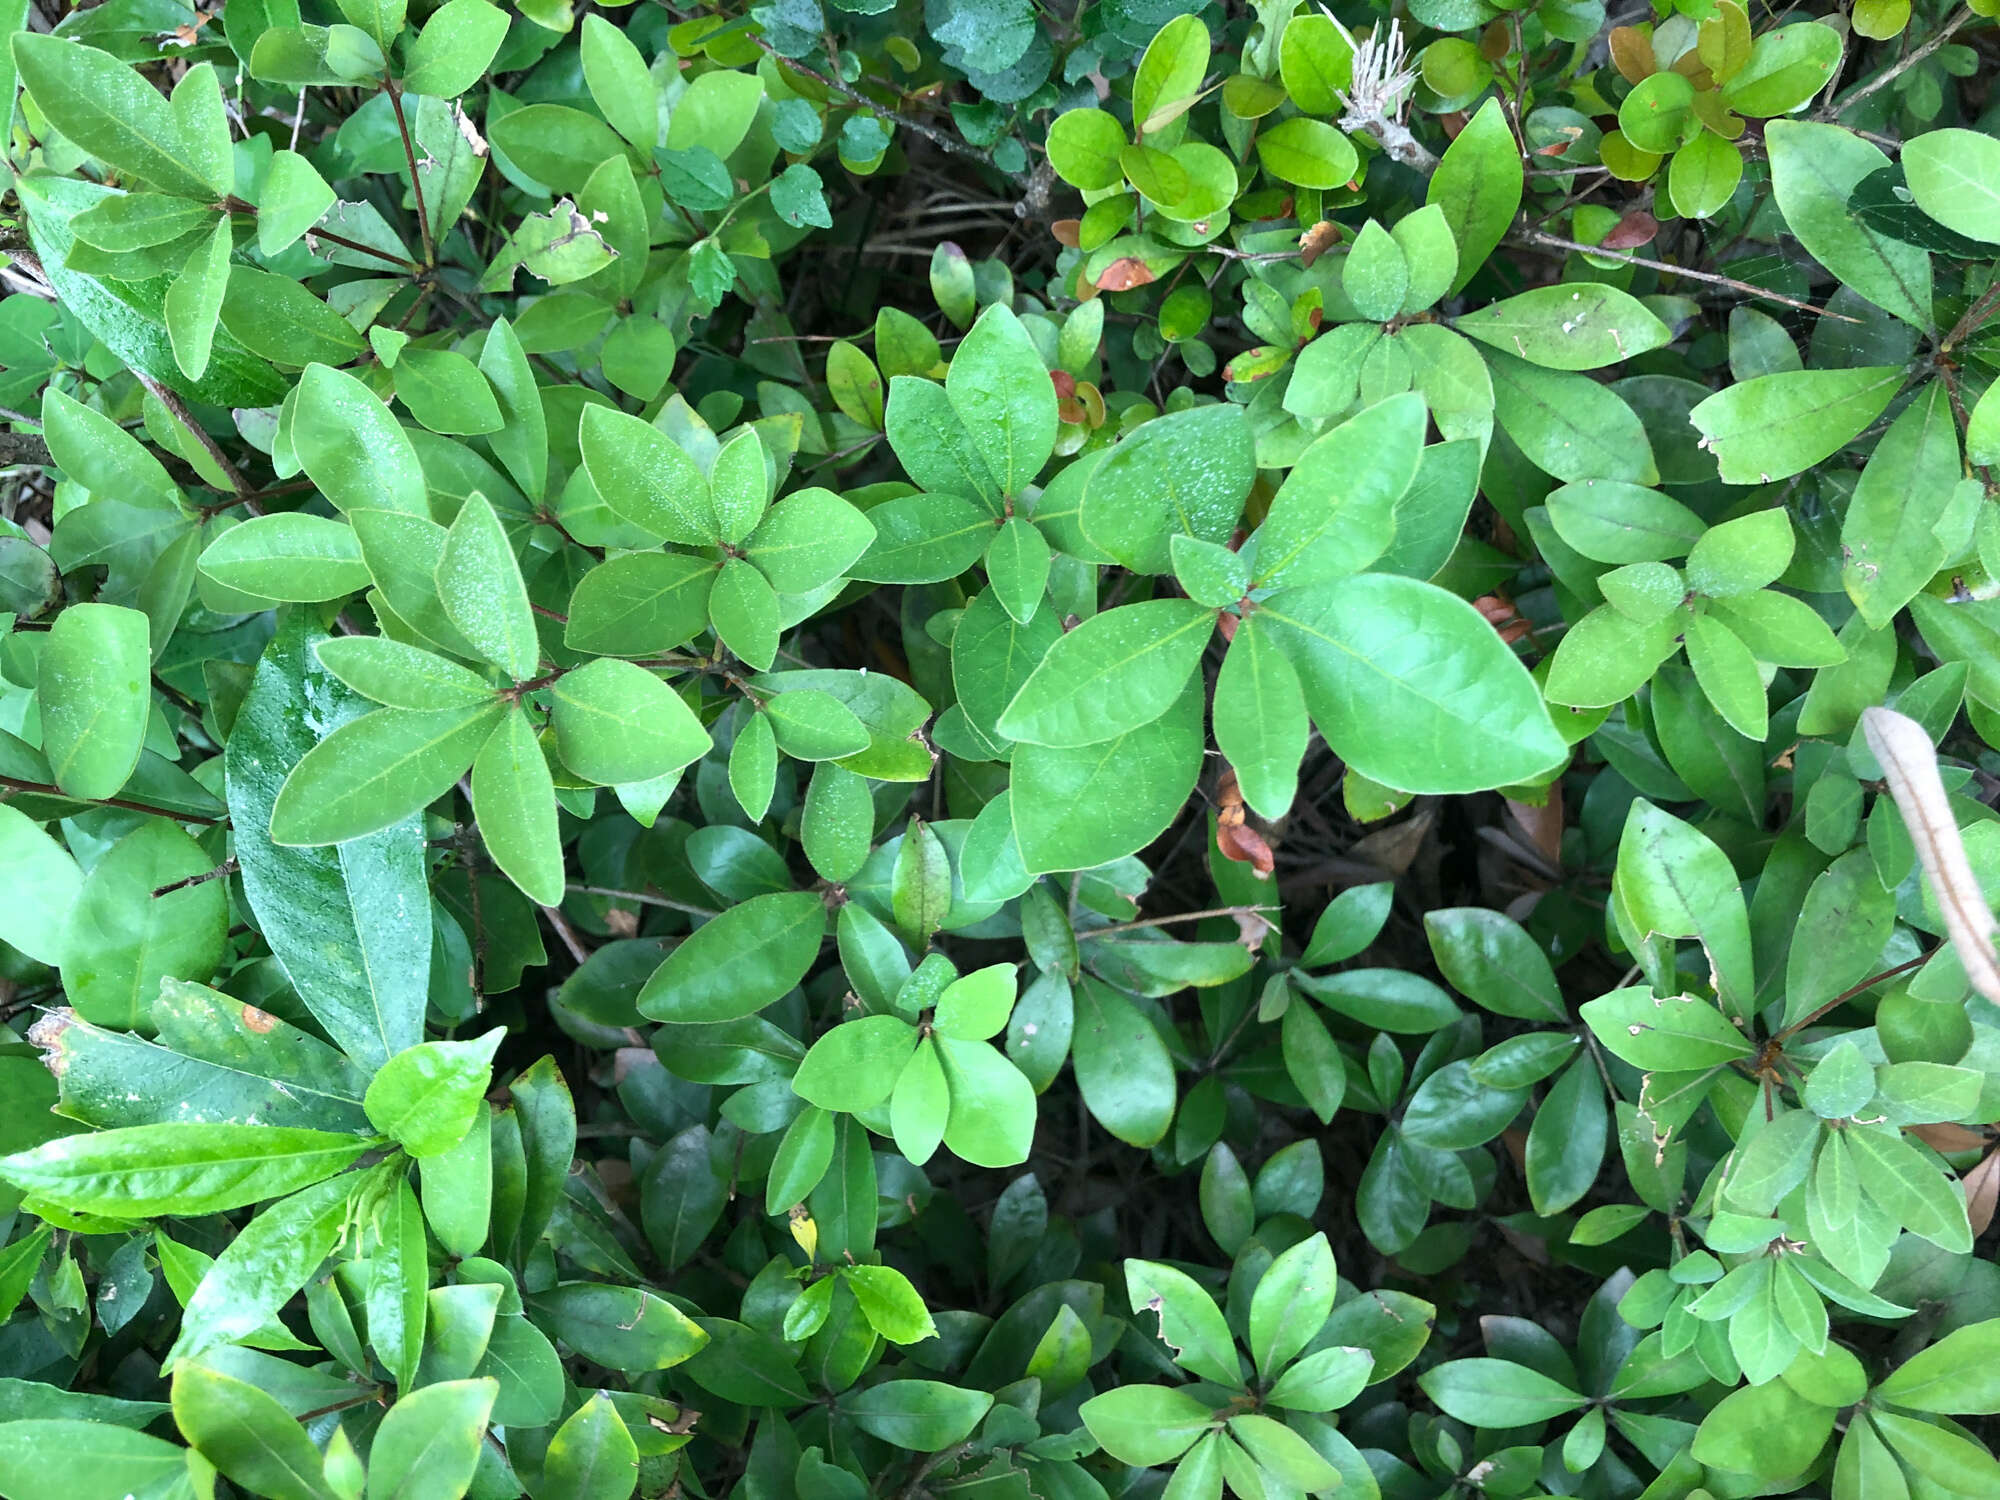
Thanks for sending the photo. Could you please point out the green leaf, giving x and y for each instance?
(399, 676)
(354, 451)
(890, 1304)
(1778, 425)
(644, 476)
(1385, 999)
(1478, 184)
(129, 316)
(426, 1098)
(743, 609)
(1122, 1066)
(454, 49)
(514, 803)
(291, 556)
(1169, 74)
(1785, 68)
(521, 443)
(1674, 1033)
(1814, 171)
(992, 1117)
(111, 112)
(1348, 924)
(1703, 175)
(374, 772)
(619, 82)
(1568, 425)
(1672, 880)
(1957, 1374)
(1569, 326)
(122, 940)
(1114, 673)
(194, 301)
(1412, 687)
(626, 1328)
(1566, 1142)
(44, 1459)
(1187, 472)
(1083, 148)
(922, 1416)
(640, 603)
(1292, 1300)
(429, 1444)
(1260, 719)
(855, 1065)
(1728, 675)
(1491, 959)
(736, 964)
(616, 722)
(1307, 153)
(1496, 1393)
(1889, 538)
(592, 1455)
(1077, 808)
(1336, 511)
(148, 1171)
(1146, 1425)
(47, 885)
(1000, 389)
(1911, 1189)
(479, 580)
(94, 695)
(1767, 1430)
(1611, 522)
(247, 1434)
(350, 926)
(1952, 175)
(807, 540)
(264, 1266)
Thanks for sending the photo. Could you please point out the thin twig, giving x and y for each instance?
(410, 156)
(177, 408)
(567, 933)
(1834, 108)
(1544, 241)
(227, 867)
(643, 899)
(1186, 916)
(15, 784)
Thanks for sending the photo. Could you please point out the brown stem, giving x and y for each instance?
(15, 784)
(227, 867)
(1848, 994)
(410, 156)
(642, 898)
(1834, 108)
(1541, 240)
(1186, 916)
(360, 249)
(177, 408)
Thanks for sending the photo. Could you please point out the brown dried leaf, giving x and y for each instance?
(1317, 240)
(1125, 273)
(1067, 232)
(1982, 1192)
(1632, 54)
(1637, 228)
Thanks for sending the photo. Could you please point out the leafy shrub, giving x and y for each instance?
(502, 476)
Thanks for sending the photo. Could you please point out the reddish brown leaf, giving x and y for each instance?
(1064, 382)
(1067, 232)
(1637, 228)
(1125, 273)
